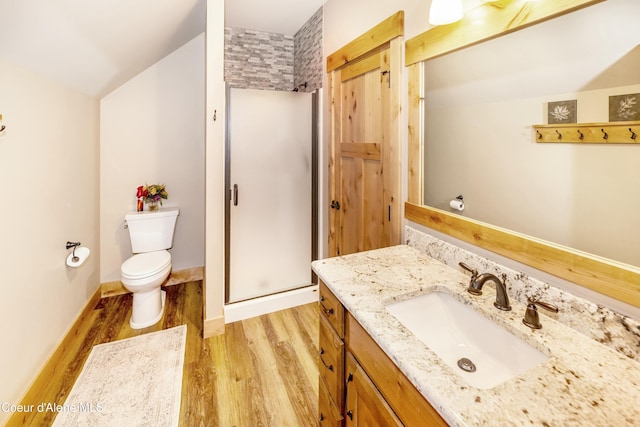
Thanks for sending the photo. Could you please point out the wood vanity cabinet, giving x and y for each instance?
(361, 386)
(331, 359)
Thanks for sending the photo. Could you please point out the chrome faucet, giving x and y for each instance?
(478, 281)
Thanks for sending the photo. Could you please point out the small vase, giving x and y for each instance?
(153, 206)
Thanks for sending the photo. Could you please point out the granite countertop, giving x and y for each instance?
(583, 382)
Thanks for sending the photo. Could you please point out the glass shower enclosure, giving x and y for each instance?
(269, 192)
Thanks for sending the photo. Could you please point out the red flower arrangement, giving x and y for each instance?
(151, 194)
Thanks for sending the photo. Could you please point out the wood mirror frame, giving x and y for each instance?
(608, 277)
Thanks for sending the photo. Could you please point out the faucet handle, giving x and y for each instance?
(545, 305)
(474, 273)
(531, 317)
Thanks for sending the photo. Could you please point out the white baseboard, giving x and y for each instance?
(270, 303)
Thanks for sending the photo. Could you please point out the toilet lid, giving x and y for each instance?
(146, 264)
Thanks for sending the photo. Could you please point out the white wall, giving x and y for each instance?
(49, 170)
(215, 137)
(557, 192)
(152, 131)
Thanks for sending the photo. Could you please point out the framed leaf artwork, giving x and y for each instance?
(623, 108)
(562, 112)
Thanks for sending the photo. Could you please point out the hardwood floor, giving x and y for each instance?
(261, 372)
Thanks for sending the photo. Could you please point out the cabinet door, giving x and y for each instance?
(403, 397)
(365, 406)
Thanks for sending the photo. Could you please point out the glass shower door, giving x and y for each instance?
(269, 207)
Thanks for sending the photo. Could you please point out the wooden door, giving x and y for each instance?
(364, 163)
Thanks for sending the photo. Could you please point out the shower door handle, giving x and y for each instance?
(235, 194)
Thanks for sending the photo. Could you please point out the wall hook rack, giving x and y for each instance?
(589, 133)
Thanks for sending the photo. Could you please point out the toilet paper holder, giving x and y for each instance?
(457, 204)
(73, 245)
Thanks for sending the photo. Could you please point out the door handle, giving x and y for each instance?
(335, 205)
(235, 194)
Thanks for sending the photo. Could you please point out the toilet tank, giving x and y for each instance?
(151, 231)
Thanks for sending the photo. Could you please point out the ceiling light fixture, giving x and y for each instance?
(443, 12)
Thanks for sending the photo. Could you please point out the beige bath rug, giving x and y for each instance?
(132, 382)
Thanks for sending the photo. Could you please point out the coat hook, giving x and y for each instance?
(3, 127)
(604, 134)
(559, 134)
(633, 134)
(581, 135)
(539, 134)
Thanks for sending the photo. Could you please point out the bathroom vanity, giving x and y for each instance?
(359, 383)
(375, 371)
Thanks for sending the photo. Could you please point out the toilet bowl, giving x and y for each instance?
(142, 274)
(151, 235)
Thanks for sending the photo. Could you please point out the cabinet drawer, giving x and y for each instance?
(332, 309)
(328, 414)
(331, 361)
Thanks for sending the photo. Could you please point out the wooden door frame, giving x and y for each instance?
(388, 32)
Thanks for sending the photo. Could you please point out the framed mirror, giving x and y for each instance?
(554, 207)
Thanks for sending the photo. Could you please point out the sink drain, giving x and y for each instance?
(466, 365)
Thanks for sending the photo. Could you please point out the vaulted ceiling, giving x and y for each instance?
(95, 46)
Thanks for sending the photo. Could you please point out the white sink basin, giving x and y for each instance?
(455, 331)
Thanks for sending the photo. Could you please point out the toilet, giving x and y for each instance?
(151, 234)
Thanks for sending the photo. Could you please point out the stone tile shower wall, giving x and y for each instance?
(308, 64)
(269, 61)
(258, 60)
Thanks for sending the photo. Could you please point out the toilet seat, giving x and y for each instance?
(146, 264)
